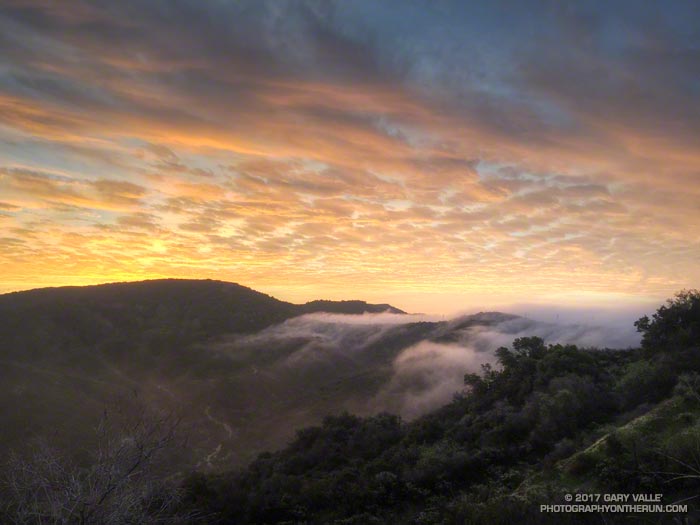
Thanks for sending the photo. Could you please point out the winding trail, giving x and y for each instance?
(208, 459)
(223, 424)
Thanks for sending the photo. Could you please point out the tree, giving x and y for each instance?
(123, 479)
(675, 325)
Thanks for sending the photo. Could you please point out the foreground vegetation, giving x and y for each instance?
(549, 420)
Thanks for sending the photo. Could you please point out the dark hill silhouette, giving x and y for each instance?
(177, 343)
(243, 368)
(189, 310)
(348, 307)
(181, 310)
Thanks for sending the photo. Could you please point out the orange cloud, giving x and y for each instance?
(236, 159)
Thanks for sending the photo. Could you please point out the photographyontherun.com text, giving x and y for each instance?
(614, 503)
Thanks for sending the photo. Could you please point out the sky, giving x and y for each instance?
(442, 156)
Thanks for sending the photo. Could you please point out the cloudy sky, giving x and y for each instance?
(439, 155)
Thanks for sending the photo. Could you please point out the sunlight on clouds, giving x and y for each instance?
(341, 168)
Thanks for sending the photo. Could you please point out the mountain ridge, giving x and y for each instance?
(186, 345)
(168, 289)
(189, 309)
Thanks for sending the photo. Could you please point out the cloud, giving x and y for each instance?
(366, 318)
(282, 142)
(31, 187)
(406, 364)
(427, 375)
(582, 335)
(326, 337)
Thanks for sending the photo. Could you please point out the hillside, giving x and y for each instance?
(548, 421)
(182, 310)
(372, 418)
(68, 351)
(347, 307)
(241, 368)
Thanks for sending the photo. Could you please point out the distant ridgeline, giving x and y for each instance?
(197, 347)
(348, 307)
(186, 310)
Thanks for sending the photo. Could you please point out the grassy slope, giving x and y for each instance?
(665, 433)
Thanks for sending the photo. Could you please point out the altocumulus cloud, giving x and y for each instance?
(473, 147)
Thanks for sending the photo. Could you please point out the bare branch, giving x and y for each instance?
(125, 481)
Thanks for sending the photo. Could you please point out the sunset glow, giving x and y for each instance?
(431, 154)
